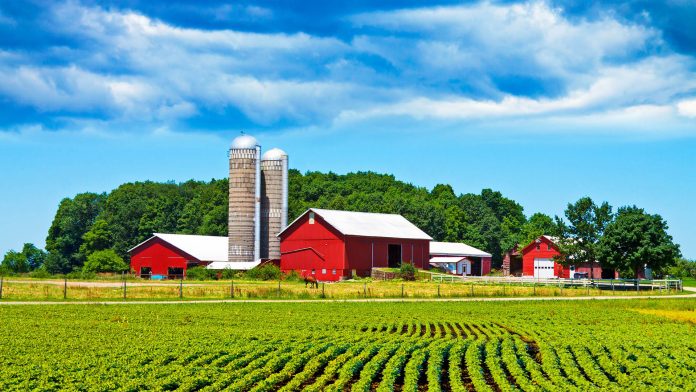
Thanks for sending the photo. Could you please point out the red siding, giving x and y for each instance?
(485, 266)
(159, 255)
(530, 252)
(305, 247)
(359, 252)
(316, 247)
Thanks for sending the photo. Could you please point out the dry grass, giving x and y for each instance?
(290, 290)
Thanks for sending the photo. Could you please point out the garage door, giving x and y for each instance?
(543, 268)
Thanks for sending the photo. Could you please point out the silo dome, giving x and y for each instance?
(274, 154)
(244, 142)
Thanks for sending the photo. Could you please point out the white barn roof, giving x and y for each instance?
(446, 259)
(366, 224)
(455, 249)
(203, 247)
(233, 265)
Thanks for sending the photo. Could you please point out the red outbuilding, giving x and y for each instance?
(169, 255)
(332, 245)
(538, 261)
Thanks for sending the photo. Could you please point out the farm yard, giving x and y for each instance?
(482, 346)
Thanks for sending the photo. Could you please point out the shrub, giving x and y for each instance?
(264, 272)
(407, 271)
(200, 273)
(293, 276)
(40, 273)
(104, 261)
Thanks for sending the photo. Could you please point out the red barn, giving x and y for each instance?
(538, 262)
(169, 255)
(332, 245)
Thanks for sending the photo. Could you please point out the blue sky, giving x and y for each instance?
(544, 101)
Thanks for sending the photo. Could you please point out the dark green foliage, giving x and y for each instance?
(200, 273)
(538, 224)
(264, 272)
(634, 239)
(73, 219)
(407, 271)
(579, 240)
(30, 258)
(104, 261)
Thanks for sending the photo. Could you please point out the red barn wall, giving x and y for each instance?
(359, 253)
(485, 266)
(159, 255)
(319, 247)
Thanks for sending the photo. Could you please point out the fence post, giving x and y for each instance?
(588, 288)
(65, 288)
(438, 291)
(402, 290)
(472, 289)
(637, 285)
(181, 288)
(534, 285)
(232, 288)
(2, 278)
(323, 295)
(124, 286)
(365, 289)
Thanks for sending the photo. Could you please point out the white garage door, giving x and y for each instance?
(543, 268)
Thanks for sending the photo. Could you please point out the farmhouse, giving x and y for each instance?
(459, 259)
(170, 255)
(332, 245)
(538, 262)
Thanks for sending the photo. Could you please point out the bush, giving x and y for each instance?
(293, 276)
(264, 272)
(40, 273)
(407, 271)
(104, 261)
(200, 273)
(80, 274)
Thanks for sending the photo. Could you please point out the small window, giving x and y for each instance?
(548, 246)
(323, 271)
(333, 271)
(314, 272)
(311, 217)
(538, 247)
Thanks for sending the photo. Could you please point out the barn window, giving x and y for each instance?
(314, 272)
(333, 271)
(311, 217)
(548, 246)
(538, 247)
(323, 271)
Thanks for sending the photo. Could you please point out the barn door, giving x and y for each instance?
(394, 255)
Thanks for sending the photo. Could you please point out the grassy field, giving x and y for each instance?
(689, 282)
(545, 345)
(54, 290)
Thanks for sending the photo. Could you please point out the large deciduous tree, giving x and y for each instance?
(537, 225)
(635, 240)
(579, 239)
(29, 259)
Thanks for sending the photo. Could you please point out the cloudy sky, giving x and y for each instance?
(544, 101)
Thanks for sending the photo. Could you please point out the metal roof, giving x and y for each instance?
(367, 224)
(233, 265)
(203, 247)
(446, 259)
(456, 249)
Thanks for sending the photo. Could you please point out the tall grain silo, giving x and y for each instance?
(244, 200)
(274, 201)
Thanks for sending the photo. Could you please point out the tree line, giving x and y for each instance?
(93, 232)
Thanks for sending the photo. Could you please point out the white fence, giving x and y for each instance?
(607, 284)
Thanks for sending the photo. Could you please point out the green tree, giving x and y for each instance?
(579, 239)
(73, 219)
(29, 259)
(683, 268)
(635, 240)
(98, 237)
(104, 261)
(537, 225)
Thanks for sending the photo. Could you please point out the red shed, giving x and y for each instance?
(169, 255)
(538, 262)
(332, 245)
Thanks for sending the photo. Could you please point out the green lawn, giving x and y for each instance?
(585, 345)
(689, 282)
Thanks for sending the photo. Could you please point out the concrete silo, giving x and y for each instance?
(274, 201)
(244, 200)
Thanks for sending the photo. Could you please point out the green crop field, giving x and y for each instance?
(627, 345)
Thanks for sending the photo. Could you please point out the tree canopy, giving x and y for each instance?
(636, 239)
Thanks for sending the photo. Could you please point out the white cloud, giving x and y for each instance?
(687, 108)
(441, 64)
